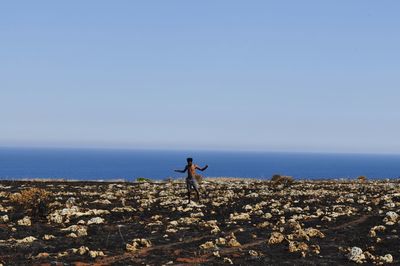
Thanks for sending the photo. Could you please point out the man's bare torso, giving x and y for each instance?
(191, 170)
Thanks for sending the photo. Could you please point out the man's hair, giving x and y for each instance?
(189, 160)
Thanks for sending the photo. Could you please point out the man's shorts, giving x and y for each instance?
(192, 183)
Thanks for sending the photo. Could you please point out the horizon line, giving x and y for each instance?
(190, 149)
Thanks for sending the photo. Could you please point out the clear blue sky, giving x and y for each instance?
(281, 75)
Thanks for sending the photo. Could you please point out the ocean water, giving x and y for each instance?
(95, 164)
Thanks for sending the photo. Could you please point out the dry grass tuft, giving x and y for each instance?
(30, 198)
(285, 181)
(362, 178)
(198, 178)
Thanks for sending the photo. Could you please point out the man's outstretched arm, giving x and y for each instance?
(202, 169)
(181, 171)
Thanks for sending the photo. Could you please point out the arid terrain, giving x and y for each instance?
(241, 222)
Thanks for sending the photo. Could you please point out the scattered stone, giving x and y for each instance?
(138, 243)
(94, 254)
(233, 241)
(207, 245)
(388, 258)
(220, 241)
(295, 246)
(70, 202)
(26, 221)
(77, 230)
(42, 255)
(82, 250)
(275, 238)
(4, 219)
(239, 217)
(312, 232)
(228, 260)
(48, 237)
(73, 235)
(96, 220)
(391, 218)
(26, 240)
(356, 254)
(379, 228)
(253, 253)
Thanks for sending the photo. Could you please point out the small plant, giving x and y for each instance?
(276, 178)
(198, 178)
(168, 179)
(284, 181)
(33, 199)
(362, 178)
(143, 179)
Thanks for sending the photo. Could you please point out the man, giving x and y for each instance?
(191, 177)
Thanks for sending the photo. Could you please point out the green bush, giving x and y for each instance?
(143, 179)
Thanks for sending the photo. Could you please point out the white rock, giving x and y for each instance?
(70, 202)
(248, 207)
(95, 254)
(96, 220)
(391, 217)
(138, 243)
(79, 230)
(26, 221)
(388, 258)
(42, 255)
(4, 219)
(73, 235)
(228, 260)
(26, 240)
(267, 216)
(48, 237)
(207, 245)
(253, 253)
(356, 254)
(275, 238)
(82, 250)
(239, 217)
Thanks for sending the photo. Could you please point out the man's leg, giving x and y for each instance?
(188, 189)
(197, 193)
(196, 188)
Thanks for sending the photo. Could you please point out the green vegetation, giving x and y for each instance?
(143, 179)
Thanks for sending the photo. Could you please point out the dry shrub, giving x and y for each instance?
(362, 178)
(168, 180)
(30, 198)
(285, 181)
(198, 178)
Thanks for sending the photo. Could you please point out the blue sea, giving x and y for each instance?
(98, 164)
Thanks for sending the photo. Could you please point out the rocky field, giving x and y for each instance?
(241, 222)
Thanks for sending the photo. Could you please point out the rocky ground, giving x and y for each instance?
(237, 222)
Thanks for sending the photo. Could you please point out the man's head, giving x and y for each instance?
(189, 160)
